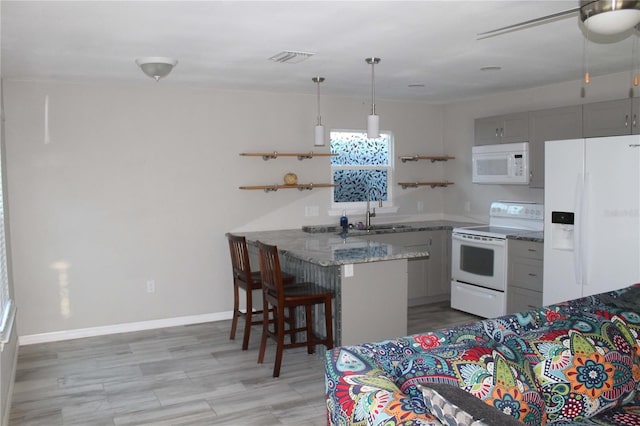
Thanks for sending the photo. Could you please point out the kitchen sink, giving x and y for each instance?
(376, 227)
(381, 227)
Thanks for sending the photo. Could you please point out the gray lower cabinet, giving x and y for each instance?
(524, 283)
(429, 278)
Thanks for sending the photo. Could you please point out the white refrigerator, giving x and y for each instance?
(592, 216)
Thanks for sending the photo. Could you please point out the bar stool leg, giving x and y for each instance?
(248, 319)
(236, 313)
(265, 330)
(310, 336)
(280, 345)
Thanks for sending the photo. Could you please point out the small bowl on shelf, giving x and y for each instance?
(290, 179)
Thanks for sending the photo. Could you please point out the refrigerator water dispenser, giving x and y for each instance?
(562, 224)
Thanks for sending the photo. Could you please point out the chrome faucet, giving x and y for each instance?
(369, 214)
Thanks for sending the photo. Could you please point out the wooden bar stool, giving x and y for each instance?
(276, 298)
(249, 281)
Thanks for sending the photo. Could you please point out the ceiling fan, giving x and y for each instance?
(606, 17)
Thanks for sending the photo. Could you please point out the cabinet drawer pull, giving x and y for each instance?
(626, 120)
(532, 250)
(532, 306)
(532, 275)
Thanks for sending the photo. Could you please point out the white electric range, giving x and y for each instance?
(479, 257)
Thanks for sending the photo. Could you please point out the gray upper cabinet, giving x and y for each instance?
(611, 118)
(550, 124)
(502, 129)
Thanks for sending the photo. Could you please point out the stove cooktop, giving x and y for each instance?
(492, 231)
(509, 218)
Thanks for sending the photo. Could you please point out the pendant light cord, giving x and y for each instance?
(587, 75)
(318, 93)
(373, 88)
(634, 59)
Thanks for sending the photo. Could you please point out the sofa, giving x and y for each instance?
(573, 363)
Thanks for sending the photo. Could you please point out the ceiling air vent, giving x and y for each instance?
(291, 56)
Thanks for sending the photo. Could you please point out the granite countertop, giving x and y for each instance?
(324, 246)
(537, 237)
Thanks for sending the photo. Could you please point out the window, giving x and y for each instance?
(360, 164)
(7, 310)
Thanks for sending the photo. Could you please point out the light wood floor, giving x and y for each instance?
(190, 375)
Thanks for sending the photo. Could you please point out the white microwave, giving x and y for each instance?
(506, 163)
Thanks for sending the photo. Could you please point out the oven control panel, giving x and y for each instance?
(503, 209)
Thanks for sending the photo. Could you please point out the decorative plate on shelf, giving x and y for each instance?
(290, 179)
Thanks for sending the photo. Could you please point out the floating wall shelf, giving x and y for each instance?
(300, 187)
(433, 159)
(273, 155)
(406, 185)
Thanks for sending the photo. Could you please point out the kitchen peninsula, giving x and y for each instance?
(368, 274)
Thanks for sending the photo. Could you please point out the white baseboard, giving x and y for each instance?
(56, 336)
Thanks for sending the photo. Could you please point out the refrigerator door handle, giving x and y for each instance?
(584, 242)
(577, 234)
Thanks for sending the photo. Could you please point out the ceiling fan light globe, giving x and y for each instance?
(613, 22)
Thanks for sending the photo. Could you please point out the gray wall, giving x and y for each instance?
(139, 182)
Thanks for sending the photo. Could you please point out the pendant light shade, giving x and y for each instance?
(373, 126)
(373, 121)
(156, 67)
(319, 130)
(319, 135)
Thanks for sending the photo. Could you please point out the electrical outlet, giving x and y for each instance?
(467, 206)
(348, 270)
(151, 286)
(420, 206)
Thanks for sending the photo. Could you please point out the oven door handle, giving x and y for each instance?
(488, 242)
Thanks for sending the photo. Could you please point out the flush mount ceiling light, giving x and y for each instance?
(291, 57)
(319, 132)
(373, 121)
(156, 67)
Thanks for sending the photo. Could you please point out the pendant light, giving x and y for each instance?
(373, 121)
(319, 131)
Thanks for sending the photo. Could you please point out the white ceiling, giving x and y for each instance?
(227, 45)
